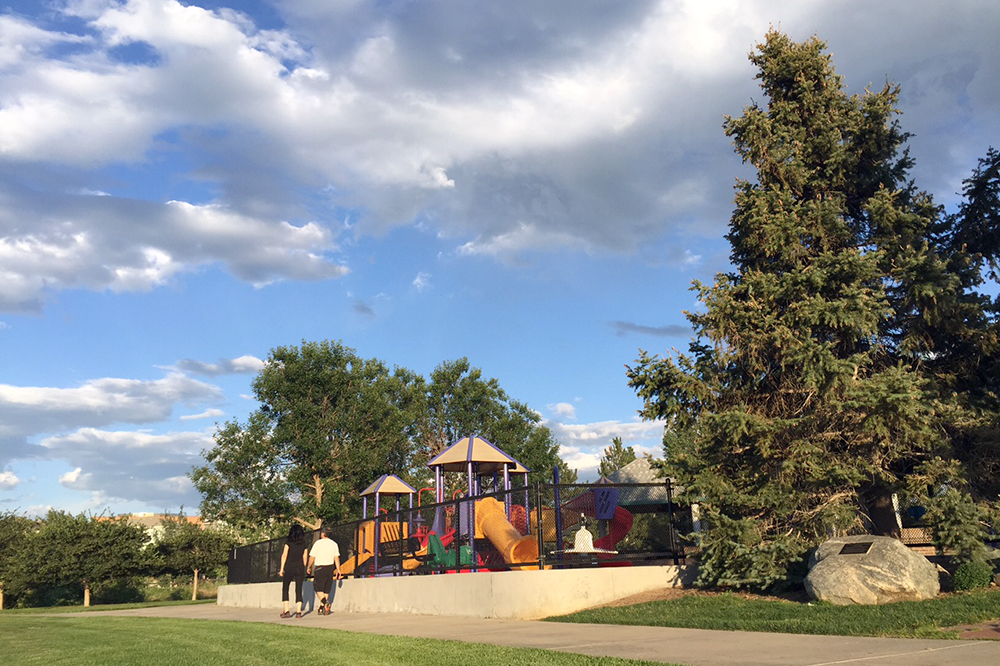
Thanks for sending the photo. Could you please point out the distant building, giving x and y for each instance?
(153, 520)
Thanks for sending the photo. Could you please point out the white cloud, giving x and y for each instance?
(583, 444)
(32, 410)
(604, 431)
(545, 127)
(127, 465)
(8, 480)
(77, 241)
(422, 281)
(75, 480)
(37, 510)
(241, 365)
(563, 410)
(207, 414)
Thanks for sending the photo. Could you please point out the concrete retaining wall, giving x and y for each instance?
(522, 595)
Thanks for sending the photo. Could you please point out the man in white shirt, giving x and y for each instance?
(324, 564)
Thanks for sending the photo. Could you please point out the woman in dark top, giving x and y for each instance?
(293, 568)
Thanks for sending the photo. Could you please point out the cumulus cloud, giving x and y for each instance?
(515, 131)
(583, 444)
(545, 127)
(71, 426)
(235, 366)
(8, 480)
(32, 410)
(131, 465)
(563, 410)
(207, 414)
(76, 241)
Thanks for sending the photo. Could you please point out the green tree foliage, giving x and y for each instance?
(615, 457)
(817, 381)
(15, 533)
(331, 422)
(84, 551)
(184, 548)
(244, 484)
(460, 403)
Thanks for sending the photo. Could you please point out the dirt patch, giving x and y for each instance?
(982, 631)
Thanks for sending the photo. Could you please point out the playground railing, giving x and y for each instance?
(520, 528)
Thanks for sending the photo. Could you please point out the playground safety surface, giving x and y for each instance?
(697, 647)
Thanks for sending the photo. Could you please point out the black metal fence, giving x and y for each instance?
(594, 525)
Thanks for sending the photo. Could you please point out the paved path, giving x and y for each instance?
(697, 647)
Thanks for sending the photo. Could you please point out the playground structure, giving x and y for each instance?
(490, 523)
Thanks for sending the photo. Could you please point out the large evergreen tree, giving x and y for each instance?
(814, 386)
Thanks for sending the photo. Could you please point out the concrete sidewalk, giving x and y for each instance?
(696, 647)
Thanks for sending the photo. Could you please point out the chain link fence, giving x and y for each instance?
(606, 524)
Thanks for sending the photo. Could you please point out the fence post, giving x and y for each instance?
(670, 520)
(557, 504)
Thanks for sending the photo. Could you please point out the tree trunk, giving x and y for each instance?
(86, 594)
(1, 597)
(877, 501)
(194, 587)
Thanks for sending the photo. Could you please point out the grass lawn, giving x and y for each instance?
(68, 640)
(910, 619)
(101, 607)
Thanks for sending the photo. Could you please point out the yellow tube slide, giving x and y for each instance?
(492, 523)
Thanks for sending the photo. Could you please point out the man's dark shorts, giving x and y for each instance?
(323, 578)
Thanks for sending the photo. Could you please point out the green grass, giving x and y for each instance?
(124, 641)
(911, 619)
(100, 607)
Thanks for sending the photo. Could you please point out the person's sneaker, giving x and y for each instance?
(327, 607)
(322, 609)
(285, 614)
(298, 616)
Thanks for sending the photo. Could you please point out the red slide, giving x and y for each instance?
(618, 527)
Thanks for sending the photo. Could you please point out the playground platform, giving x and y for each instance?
(695, 647)
(523, 595)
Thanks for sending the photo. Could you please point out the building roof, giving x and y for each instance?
(637, 471)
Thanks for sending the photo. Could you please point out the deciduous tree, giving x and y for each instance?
(329, 423)
(186, 548)
(86, 550)
(15, 532)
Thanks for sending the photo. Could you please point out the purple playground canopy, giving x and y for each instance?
(389, 484)
(487, 458)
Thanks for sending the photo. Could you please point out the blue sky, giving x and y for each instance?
(533, 185)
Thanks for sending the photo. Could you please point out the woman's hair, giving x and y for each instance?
(296, 534)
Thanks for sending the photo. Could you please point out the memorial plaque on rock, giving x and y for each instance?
(860, 548)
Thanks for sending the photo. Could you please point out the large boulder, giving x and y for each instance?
(847, 571)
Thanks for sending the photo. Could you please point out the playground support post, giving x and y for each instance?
(539, 529)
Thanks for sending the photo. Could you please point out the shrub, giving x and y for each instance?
(971, 575)
(957, 524)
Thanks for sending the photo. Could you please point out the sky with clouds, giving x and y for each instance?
(531, 184)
